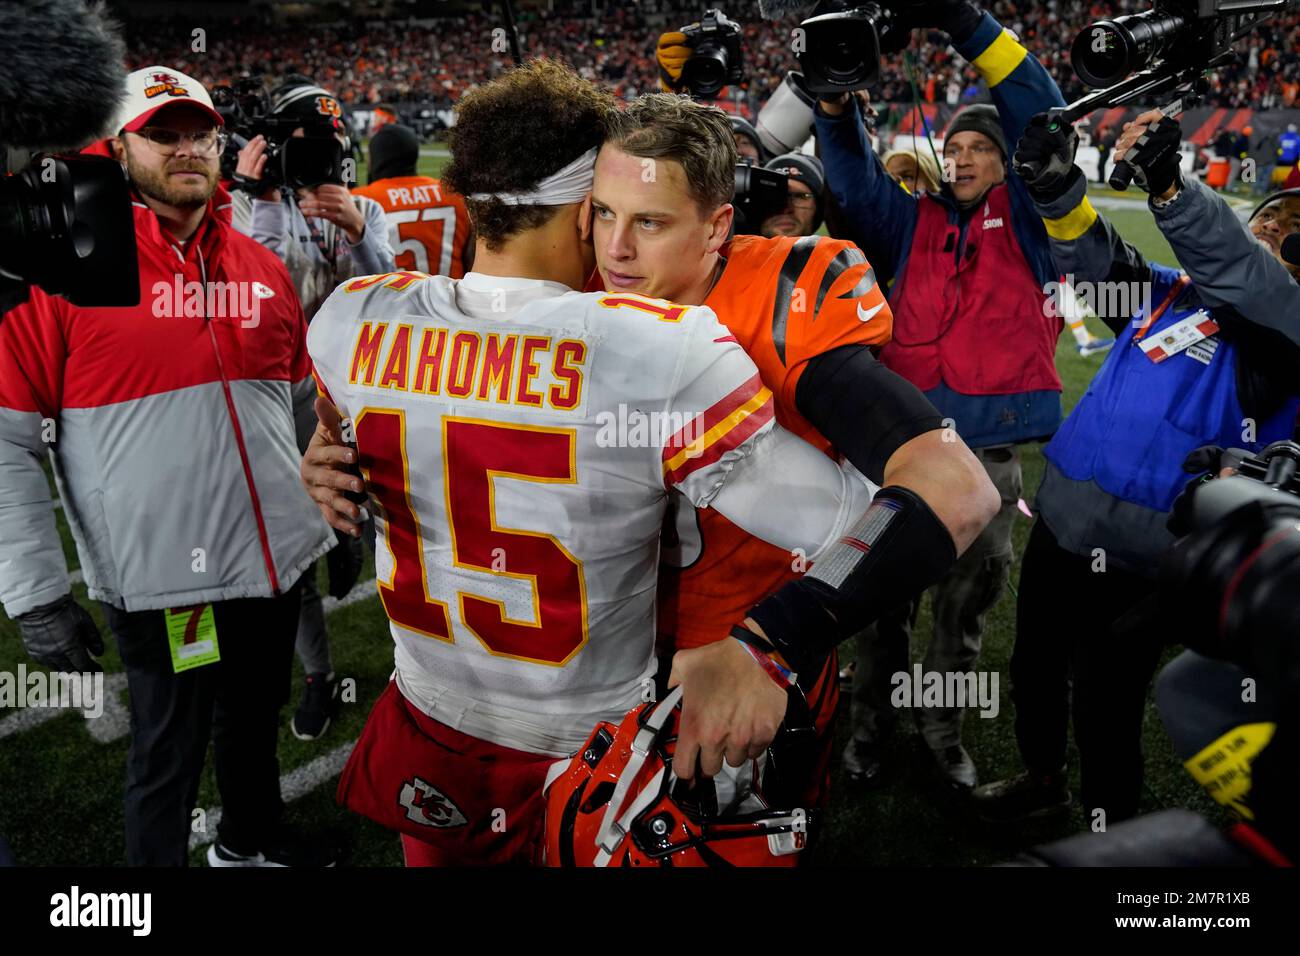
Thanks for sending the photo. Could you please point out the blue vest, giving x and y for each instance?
(1139, 419)
(1289, 151)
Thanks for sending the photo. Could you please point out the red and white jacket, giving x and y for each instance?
(175, 427)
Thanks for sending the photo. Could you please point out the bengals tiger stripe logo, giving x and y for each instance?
(792, 268)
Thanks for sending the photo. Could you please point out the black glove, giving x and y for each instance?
(343, 562)
(1044, 158)
(957, 18)
(1154, 157)
(246, 184)
(59, 634)
(1205, 462)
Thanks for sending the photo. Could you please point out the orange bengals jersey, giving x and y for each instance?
(786, 300)
(428, 224)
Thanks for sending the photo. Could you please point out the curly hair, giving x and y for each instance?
(515, 130)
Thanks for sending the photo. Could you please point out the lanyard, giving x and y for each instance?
(1145, 327)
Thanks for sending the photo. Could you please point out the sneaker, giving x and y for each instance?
(320, 702)
(861, 762)
(284, 849)
(956, 767)
(846, 675)
(1095, 346)
(1023, 797)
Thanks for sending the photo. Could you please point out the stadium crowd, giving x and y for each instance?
(432, 63)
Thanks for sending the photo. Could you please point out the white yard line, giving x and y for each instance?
(115, 721)
(295, 784)
(360, 591)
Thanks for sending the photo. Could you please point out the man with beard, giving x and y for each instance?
(172, 427)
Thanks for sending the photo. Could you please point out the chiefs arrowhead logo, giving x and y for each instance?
(428, 806)
(168, 83)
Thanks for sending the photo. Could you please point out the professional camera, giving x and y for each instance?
(297, 162)
(65, 221)
(759, 193)
(66, 226)
(1171, 47)
(1184, 32)
(843, 42)
(717, 59)
(1237, 574)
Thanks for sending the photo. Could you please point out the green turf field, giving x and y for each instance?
(61, 789)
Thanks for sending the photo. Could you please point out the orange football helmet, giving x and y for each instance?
(616, 802)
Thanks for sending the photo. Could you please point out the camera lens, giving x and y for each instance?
(1109, 50)
(705, 73)
(842, 60)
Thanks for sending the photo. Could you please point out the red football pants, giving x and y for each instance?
(457, 800)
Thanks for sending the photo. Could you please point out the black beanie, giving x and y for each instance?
(1280, 194)
(801, 166)
(808, 170)
(394, 151)
(981, 118)
(298, 97)
(745, 128)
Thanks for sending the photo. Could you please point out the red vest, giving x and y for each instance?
(980, 324)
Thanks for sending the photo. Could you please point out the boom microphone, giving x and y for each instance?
(61, 74)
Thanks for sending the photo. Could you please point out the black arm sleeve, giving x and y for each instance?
(897, 549)
(866, 411)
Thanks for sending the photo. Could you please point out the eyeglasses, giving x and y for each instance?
(167, 142)
(802, 199)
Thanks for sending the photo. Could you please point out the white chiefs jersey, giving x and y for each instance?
(520, 440)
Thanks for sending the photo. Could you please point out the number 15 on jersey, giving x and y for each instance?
(476, 453)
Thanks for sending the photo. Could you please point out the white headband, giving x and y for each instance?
(567, 185)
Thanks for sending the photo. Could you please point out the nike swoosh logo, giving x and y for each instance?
(866, 315)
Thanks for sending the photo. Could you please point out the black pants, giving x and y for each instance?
(235, 701)
(1065, 619)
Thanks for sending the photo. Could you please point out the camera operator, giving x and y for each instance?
(802, 213)
(170, 395)
(748, 144)
(46, 110)
(324, 235)
(971, 262)
(1207, 358)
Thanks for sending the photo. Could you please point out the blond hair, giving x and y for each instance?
(926, 166)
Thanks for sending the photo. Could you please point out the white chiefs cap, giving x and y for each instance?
(154, 87)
